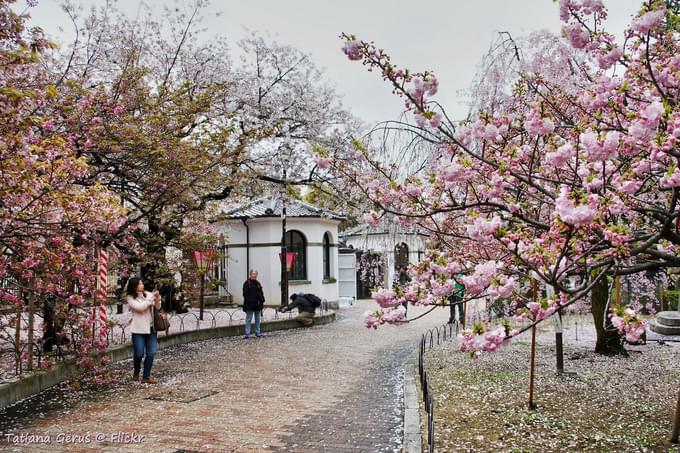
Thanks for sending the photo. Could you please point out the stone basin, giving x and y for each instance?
(666, 323)
(668, 318)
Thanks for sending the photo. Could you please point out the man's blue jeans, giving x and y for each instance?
(144, 342)
(249, 317)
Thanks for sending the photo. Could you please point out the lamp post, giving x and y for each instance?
(284, 248)
(285, 152)
(203, 260)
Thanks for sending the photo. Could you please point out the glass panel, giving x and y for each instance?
(326, 257)
(296, 243)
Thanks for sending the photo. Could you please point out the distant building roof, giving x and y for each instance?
(383, 228)
(272, 207)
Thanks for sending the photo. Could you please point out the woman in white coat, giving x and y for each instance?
(143, 334)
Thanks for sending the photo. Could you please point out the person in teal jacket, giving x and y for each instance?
(454, 301)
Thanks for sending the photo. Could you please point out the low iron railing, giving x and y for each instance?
(438, 334)
(13, 354)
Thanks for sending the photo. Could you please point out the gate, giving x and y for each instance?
(347, 282)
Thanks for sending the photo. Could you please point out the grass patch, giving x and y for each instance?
(613, 404)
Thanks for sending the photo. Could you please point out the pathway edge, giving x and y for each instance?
(412, 432)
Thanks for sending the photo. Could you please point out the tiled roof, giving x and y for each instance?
(272, 206)
(383, 228)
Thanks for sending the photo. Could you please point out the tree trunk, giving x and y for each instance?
(155, 249)
(609, 342)
(155, 242)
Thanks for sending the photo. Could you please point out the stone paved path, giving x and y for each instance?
(331, 388)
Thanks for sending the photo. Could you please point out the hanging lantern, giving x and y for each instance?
(290, 260)
(201, 261)
(205, 259)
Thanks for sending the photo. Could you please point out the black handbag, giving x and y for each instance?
(160, 320)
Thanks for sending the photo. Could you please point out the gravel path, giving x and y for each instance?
(331, 388)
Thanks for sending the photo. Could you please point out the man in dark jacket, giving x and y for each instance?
(253, 302)
(403, 279)
(305, 309)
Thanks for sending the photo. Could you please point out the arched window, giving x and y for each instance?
(326, 256)
(400, 256)
(295, 242)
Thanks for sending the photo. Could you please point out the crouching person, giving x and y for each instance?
(306, 307)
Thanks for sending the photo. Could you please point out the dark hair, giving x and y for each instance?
(293, 296)
(132, 285)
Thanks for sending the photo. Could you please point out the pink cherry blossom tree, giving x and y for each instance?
(566, 170)
(51, 216)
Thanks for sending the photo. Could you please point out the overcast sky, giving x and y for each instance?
(446, 36)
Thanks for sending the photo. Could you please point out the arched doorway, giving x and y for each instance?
(400, 256)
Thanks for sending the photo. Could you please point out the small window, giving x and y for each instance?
(295, 242)
(326, 256)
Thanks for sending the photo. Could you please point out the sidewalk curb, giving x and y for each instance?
(12, 392)
(412, 432)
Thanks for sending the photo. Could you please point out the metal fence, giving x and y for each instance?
(432, 337)
(13, 353)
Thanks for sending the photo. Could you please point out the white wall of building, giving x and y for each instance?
(265, 246)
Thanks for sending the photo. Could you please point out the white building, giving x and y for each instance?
(398, 246)
(253, 235)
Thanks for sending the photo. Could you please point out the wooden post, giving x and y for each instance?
(202, 292)
(559, 350)
(532, 366)
(17, 331)
(31, 322)
(617, 290)
(531, 370)
(576, 329)
(676, 422)
(464, 314)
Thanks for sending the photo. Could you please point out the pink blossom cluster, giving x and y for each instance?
(535, 125)
(596, 150)
(481, 278)
(371, 219)
(671, 179)
(648, 21)
(352, 49)
(581, 8)
(393, 315)
(483, 338)
(571, 213)
(482, 229)
(504, 287)
(628, 323)
(578, 37)
(561, 155)
(540, 310)
(617, 236)
(322, 162)
(414, 87)
(385, 298)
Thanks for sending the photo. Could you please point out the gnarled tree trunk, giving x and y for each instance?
(609, 342)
